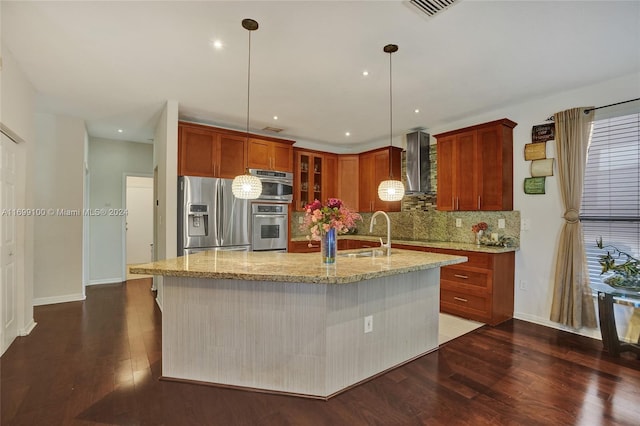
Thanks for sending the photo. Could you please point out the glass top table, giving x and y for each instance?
(607, 296)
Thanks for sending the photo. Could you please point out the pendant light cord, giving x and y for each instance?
(248, 85)
(390, 120)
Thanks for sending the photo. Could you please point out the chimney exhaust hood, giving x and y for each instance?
(418, 163)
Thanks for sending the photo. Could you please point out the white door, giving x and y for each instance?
(8, 266)
(139, 226)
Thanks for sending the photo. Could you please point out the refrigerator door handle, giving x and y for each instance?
(220, 208)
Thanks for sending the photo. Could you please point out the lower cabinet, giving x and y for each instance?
(303, 246)
(343, 244)
(480, 289)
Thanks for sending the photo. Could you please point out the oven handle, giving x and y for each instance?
(269, 216)
(286, 182)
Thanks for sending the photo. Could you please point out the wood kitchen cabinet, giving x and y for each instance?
(475, 167)
(314, 178)
(343, 244)
(209, 152)
(348, 189)
(480, 289)
(270, 154)
(330, 177)
(374, 168)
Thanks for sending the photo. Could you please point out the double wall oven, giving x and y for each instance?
(269, 213)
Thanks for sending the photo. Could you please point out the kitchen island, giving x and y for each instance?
(282, 322)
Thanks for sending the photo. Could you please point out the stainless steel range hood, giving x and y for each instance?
(418, 163)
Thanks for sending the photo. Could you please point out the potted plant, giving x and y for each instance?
(625, 274)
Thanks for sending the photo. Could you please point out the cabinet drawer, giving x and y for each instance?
(476, 259)
(466, 276)
(468, 306)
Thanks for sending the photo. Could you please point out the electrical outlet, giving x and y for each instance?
(523, 285)
(525, 225)
(300, 220)
(368, 324)
(458, 223)
(501, 223)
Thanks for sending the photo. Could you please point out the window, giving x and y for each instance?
(611, 196)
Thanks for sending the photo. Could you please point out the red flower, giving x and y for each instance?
(480, 226)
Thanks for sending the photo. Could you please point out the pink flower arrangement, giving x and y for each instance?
(319, 219)
(480, 226)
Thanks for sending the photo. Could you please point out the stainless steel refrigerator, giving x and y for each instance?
(210, 217)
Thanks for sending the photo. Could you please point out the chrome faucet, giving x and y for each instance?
(386, 246)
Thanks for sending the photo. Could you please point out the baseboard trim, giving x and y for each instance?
(39, 301)
(28, 329)
(116, 280)
(586, 332)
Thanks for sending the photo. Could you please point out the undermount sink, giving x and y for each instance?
(364, 253)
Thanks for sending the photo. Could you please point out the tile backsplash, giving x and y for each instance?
(432, 225)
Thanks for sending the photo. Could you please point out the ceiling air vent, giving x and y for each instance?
(272, 129)
(433, 7)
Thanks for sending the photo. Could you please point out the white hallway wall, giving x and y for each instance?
(59, 171)
(165, 158)
(535, 261)
(109, 160)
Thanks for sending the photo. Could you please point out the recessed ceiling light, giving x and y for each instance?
(275, 117)
(365, 73)
(217, 44)
(347, 134)
(120, 130)
(416, 110)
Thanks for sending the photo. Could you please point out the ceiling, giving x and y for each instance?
(115, 64)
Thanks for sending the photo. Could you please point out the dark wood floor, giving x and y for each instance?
(97, 362)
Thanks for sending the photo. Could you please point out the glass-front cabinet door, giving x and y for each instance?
(308, 178)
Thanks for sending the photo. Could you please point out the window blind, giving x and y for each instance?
(611, 195)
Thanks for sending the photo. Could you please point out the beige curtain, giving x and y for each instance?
(572, 301)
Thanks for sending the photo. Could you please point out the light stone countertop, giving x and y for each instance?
(295, 267)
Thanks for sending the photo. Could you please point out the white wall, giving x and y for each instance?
(17, 106)
(535, 262)
(59, 178)
(109, 160)
(165, 158)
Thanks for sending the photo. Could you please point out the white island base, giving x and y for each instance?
(305, 339)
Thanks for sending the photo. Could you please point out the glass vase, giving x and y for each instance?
(329, 247)
(479, 236)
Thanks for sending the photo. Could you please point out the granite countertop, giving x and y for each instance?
(295, 267)
(420, 243)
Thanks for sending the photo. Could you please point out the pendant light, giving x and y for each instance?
(391, 189)
(246, 186)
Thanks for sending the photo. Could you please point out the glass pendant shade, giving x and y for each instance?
(391, 190)
(246, 187)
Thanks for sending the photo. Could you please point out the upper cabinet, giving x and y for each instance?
(314, 177)
(348, 188)
(270, 154)
(204, 151)
(374, 168)
(213, 152)
(475, 167)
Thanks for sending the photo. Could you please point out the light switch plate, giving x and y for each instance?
(368, 324)
(458, 223)
(501, 223)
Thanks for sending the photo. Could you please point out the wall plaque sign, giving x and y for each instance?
(535, 151)
(543, 132)
(542, 167)
(534, 185)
